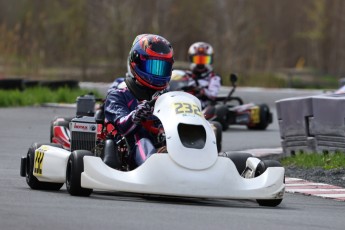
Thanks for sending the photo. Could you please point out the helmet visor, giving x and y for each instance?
(156, 67)
(202, 59)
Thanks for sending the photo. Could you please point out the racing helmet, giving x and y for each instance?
(150, 61)
(200, 56)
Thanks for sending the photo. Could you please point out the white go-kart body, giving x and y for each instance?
(191, 168)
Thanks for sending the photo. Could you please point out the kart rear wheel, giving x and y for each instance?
(31, 180)
(239, 160)
(222, 116)
(218, 133)
(260, 170)
(75, 166)
(265, 118)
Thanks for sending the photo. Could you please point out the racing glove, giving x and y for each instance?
(142, 112)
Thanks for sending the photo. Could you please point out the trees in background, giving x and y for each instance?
(247, 36)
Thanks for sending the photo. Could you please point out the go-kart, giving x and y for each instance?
(228, 110)
(89, 106)
(191, 166)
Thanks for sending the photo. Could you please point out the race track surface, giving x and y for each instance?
(23, 208)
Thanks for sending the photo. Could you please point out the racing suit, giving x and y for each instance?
(208, 84)
(119, 107)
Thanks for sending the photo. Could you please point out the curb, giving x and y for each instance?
(295, 185)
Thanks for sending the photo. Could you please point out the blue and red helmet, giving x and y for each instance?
(150, 61)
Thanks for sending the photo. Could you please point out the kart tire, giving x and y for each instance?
(31, 180)
(239, 160)
(265, 118)
(51, 131)
(110, 155)
(75, 166)
(222, 116)
(218, 133)
(261, 168)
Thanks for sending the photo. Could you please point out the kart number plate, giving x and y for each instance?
(255, 115)
(187, 108)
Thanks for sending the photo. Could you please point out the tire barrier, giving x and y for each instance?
(20, 84)
(312, 124)
(14, 83)
(72, 84)
(31, 83)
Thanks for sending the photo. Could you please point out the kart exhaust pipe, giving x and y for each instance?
(23, 167)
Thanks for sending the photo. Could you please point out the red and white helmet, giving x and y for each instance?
(201, 57)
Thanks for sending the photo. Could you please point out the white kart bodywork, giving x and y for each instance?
(53, 162)
(161, 175)
(183, 171)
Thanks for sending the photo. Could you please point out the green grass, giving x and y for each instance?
(40, 95)
(325, 161)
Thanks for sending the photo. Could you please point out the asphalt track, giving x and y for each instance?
(23, 208)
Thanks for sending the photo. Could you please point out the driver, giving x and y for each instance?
(206, 82)
(149, 67)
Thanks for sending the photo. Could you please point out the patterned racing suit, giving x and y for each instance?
(120, 104)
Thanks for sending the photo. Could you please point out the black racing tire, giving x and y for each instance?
(218, 133)
(265, 118)
(75, 166)
(111, 154)
(51, 133)
(239, 160)
(222, 116)
(31, 180)
(261, 168)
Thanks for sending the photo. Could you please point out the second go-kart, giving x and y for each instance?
(191, 166)
(228, 110)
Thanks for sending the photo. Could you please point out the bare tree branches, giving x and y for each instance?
(247, 35)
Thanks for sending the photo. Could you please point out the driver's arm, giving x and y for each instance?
(118, 110)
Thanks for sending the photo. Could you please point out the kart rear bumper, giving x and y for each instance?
(160, 175)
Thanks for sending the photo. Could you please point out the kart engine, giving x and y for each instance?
(83, 133)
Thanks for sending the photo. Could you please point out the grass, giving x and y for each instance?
(40, 95)
(326, 161)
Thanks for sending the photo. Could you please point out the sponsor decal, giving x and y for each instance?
(38, 161)
(80, 126)
(83, 127)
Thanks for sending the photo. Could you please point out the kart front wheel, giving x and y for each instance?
(260, 170)
(239, 159)
(31, 180)
(75, 166)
